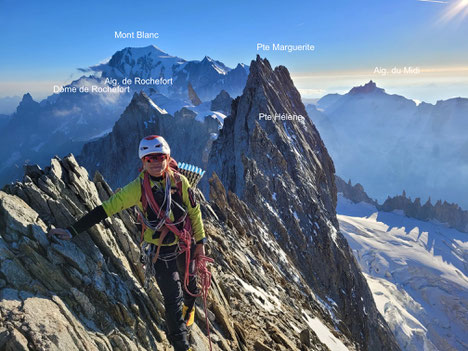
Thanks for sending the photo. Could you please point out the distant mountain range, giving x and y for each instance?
(389, 143)
(8, 104)
(65, 121)
(207, 77)
(448, 214)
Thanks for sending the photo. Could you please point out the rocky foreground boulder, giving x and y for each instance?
(87, 294)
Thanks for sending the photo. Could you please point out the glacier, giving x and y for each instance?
(417, 272)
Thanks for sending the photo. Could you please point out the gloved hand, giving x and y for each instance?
(60, 233)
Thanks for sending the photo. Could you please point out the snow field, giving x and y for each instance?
(417, 272)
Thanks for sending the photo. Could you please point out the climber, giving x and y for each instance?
(168, 209)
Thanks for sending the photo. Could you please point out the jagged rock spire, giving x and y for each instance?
(192, 95)
(116, 154)
(270, 154)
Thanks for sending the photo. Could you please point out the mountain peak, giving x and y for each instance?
(155, 48)
(275, 83)
(139, 97)
(370, 87)
(138, 56)
(222, 102)
(207, 59)
(27, 98)
(27, 104)
(267, 93)
(218, 66)
(262, 64)
(142, 100)
(271, 156)
(145, 50)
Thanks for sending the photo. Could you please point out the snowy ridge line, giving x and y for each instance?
(442, 212)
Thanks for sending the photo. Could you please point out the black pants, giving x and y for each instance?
(170, 279)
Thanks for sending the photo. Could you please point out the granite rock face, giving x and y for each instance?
(87, 294)
(355, 193)
(222, 103)
(449, 213)
(192, 95)
(272, 157)
(84, 294)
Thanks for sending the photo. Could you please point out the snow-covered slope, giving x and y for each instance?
(417, 272)
(208, 77)
(143, 62)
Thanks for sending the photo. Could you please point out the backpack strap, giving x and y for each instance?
(178, 183)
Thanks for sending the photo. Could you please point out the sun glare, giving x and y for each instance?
(459, 9)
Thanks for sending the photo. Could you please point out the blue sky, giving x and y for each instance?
(47, 41)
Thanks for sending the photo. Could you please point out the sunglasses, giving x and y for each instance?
(155, 158)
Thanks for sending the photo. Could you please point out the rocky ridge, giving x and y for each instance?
(282, 171)
(355, 193)
(87, 294)
(449, 213)
(222, 103)
(444, 212)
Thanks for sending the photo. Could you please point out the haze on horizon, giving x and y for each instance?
(354, 42)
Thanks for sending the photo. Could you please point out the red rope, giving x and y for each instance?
(201, 271)
(204, 277)
(185, 240)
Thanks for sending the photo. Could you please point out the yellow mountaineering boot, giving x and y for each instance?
(190, 318)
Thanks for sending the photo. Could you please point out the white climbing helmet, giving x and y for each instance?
(153, 144)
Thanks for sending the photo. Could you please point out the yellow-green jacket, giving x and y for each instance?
(130, 196)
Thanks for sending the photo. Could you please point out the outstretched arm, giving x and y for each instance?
(123, 199)
(84, 223)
